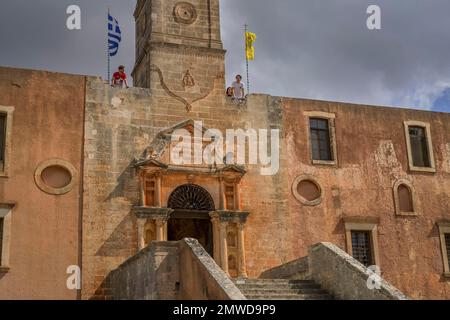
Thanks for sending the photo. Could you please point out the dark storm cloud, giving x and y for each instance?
(305, 48)
(33, 34)
(323, 49)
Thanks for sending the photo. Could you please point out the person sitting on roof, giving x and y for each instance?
(120, 78)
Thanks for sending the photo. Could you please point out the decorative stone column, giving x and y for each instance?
(223, 245)
(222, 199)
(242, 266)
(142, 182)
(160, 232)
(158, 188)
(237, 197)
(216, 240)
(222, 220)
(141, 233)
(159, 216)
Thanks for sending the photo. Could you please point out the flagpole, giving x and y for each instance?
(107, 47)
(246, 60)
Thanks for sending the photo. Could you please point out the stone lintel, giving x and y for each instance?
(150, 163)
(230, 216)
(189, 49)
(356, 219)
(227, 172)
(8, 205)
(443, 223)
(152, 213)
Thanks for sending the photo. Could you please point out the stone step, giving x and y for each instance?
(281, 289)
(274, 280)
(278, 286)
(290, 297)
(251, 292)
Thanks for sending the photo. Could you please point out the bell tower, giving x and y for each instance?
(178, 47)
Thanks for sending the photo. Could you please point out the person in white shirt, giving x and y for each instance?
(237, 88)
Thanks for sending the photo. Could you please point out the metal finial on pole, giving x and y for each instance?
(246, 59)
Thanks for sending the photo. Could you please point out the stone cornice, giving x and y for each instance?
(178, 49)
(152, 213)
(230, 216)
(186, 49)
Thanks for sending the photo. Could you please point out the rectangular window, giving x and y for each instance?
(362, 247)
(419, 147)
(1, 239)
(444, 236)
(150, 191)
(320, 139)
(2, 140)
(229, 196)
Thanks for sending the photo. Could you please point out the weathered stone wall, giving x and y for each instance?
(152, 274)
(47, 123)
(120, 125)
(183, 65)
(158, 29)
(116, 131)
(337, 272)
(168, 271)
(201, 278)
(297, 269)
(344, 277)
(372, 155)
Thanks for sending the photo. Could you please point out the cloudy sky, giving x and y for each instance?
(318, 49)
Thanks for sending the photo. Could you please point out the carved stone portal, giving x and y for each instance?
(201, 202)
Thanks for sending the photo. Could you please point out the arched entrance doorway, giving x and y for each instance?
(190, 219)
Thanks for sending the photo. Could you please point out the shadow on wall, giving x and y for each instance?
(122, 242)
(104, 291)
(152, 274)
(169, 271)
(126, 185)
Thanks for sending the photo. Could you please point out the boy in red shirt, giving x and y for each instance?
(120, 78)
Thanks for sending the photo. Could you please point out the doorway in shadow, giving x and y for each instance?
(192, 205)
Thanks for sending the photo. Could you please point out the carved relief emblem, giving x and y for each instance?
(184, 12)
(188, 80)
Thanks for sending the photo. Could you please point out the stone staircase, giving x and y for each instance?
(281, 289)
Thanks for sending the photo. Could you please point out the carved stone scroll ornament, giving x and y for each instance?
(188, 104)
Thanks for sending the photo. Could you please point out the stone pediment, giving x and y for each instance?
(150, 163)
(232, 169)
(157, 155)
(188, 125)
(159, 149)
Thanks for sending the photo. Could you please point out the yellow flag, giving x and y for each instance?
(250, 39)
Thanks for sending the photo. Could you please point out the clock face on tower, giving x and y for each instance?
(184, 12)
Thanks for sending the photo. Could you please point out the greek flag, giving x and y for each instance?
(114, 35)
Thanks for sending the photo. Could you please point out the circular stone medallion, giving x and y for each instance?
(307, 191)
(184, 12)
(55, 176)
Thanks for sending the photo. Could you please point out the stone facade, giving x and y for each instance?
(112, 185)
(42, 237)
(279, 227)
(117, 142)
(372, 157)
